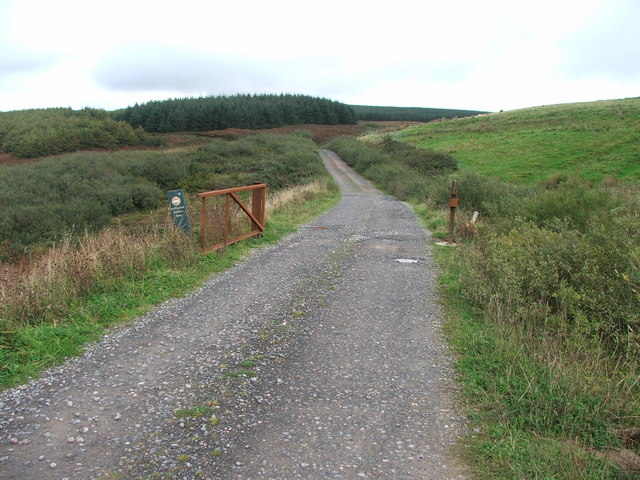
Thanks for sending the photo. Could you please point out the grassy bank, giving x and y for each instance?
(77, 290)
(593, 140)
(543, 299)
(542, 402)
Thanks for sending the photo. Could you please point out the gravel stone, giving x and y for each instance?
(321, 357)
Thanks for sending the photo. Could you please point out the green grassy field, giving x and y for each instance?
(593, 140)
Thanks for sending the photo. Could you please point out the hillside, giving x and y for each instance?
(50, 131)
(593, 140)
(369, 113)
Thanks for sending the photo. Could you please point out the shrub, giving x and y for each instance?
(563, 281)
(423, 160)
(37, 133)
(279, 161)
(46, 200)
(357, 154)
(493, 198)
(575, 204)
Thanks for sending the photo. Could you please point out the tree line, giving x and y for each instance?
(237, 111)
(410, 114)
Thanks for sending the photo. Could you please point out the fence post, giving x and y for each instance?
(453, 204)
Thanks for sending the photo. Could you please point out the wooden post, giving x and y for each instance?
(203, 222)
(258, 205)
(453, 204)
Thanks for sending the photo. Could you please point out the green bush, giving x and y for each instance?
(48, 199)
(493, 198)
(564, 281)
(42, 132)
(574, 204)
(554, 277)
(359, 155)
(423, 160)
(279, 161)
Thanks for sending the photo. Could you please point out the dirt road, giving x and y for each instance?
(318, 358)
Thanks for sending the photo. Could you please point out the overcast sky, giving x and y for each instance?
(468, 54)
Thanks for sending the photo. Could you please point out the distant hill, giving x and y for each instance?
(593, 140)
(50, 131)
(412, 114)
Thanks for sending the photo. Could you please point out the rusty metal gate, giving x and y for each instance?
(224, 220)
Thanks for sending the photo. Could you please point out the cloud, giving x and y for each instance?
(14, 62)
(606, 46)
(192, 71)
(187, 71)
(15, 59)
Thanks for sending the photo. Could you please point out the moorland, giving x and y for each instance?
(542, 294)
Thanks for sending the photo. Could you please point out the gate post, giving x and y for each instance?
(203, 223)
(259, 204)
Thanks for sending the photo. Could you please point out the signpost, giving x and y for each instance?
(178, 209)
(453, 204)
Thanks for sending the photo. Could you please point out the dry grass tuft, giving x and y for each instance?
(40, 291)
(295, 194)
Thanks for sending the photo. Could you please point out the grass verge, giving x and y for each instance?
(37, 336)
(536, 408)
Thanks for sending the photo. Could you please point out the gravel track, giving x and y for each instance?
(317, 358)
